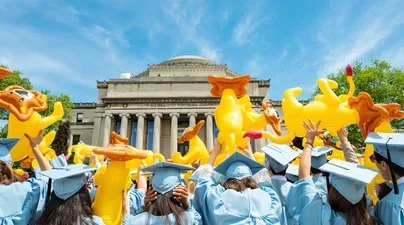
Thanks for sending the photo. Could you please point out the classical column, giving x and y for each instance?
(174, 132)
(107, 129)
(209, 131)
(192, 118)
(156, 134)
(140, 130)
(124, 124)
(71, 140)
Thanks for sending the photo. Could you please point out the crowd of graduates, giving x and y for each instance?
(237, 191)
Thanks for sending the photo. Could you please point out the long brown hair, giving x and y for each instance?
(75, 209)
(164, 205)
(355, 214)
(7, 174)
(240, 185)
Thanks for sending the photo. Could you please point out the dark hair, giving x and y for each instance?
(69, 211)
(164, 205)
(7, 174)
(315, 171)
(355, 214)
(281, 173)
(397, 169)
(240, 185)
(383, 191)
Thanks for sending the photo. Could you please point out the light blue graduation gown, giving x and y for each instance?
(142, 219)
(321, 183)
(22, 203)
(390, 210)
(219, 206)
(282, 188)
(136, 200)
(306, 205)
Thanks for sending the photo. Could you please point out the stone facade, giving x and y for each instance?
(154, 107)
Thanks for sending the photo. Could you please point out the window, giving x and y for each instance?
(150, 131)
(134, 133)
(118, 127)
(76, 139)
(79, 117)
(215, 130)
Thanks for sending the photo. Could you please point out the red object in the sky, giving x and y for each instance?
(253, 134)
(349, 70)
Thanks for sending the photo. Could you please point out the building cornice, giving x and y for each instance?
(85, 105)
(170, 80)
(82, 123)
(122, 100)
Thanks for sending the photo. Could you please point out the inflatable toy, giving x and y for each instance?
(83, 151)
(255, 121)
(319, 109)
(5, 72)
(228, 115)
(135, 164)
(112, 179)
(24, 106)
(197, 150)
(260, 157)
(45, 149)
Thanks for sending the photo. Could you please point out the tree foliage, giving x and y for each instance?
(61, 142)
(17, 79)
(379, 79)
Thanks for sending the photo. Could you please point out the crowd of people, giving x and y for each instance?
(237, 191)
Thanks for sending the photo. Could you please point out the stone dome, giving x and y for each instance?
(184, 59)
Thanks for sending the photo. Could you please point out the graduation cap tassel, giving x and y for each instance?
(393, 177)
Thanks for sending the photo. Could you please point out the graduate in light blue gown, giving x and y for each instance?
(292, 173)
(277, 159)
(21, 203)
(346, 199)
(70, 202)
(319, 158)
(239, 200)
(389, 159)
(169, 203)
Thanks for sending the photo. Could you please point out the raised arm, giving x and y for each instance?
(34, 143)
(346, 147)
(305, 160)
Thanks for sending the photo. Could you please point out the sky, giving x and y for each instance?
(65, 46)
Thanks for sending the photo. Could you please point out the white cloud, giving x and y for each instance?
(188, 17)
(246, 29)
(358, 39)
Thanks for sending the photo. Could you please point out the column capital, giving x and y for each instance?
(209, 114)
(157, 115)
(141, 115)
(124, 115)
(192, 114)
(174, 114)
(107, 115)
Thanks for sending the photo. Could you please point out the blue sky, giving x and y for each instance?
(66, 46)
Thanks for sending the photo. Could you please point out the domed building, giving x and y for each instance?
(154, 107)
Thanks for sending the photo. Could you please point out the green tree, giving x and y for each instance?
(61, 142)
(17, 79)
(379, 79)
